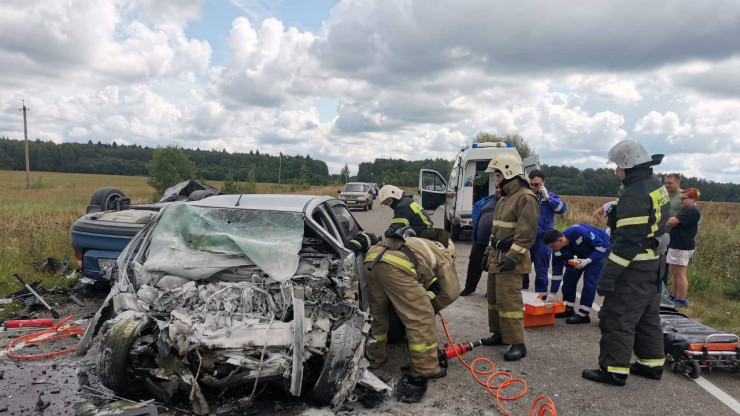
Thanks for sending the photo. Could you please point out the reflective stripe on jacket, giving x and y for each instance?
(407, 212)
(515, 220)
(434, 264)
(641, 215)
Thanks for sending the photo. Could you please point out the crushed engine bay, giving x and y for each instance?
(208, 302)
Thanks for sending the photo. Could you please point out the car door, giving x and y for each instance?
(530, 163)
(349, 227)
(432, 188)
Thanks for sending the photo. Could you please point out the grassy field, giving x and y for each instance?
(35, 224)
(714, 271)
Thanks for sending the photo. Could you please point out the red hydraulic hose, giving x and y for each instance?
(542, 406)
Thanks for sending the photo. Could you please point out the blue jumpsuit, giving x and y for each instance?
(585, 241)
(539, 251)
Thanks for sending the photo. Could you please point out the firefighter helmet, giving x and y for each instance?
(629, 153)
(508, 164)
(389, 191)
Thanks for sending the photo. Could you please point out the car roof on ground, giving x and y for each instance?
(263, 202)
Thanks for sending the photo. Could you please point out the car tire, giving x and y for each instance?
(339, 366)
(455, 232)
(105, 198)
(115, 348)
(200, 194)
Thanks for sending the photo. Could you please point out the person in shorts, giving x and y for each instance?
(683, 229)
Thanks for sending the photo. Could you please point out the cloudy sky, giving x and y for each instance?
(348, 81)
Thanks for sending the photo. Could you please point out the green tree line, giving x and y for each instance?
(114, 159)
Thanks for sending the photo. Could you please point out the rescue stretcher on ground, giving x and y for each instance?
(691, 346)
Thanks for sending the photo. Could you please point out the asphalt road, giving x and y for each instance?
(556, 356)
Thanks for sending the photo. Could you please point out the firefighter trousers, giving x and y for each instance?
(505, 306)
(388, 285)
(629, 321)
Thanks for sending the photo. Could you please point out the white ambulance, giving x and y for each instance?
(468, 183)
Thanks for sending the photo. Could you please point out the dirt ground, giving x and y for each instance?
(556, 356)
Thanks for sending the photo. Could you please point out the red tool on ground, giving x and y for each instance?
(456, 350)
(29, 323)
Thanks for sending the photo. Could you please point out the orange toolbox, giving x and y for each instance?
(537, 312)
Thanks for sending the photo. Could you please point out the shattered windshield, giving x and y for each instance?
(198, 242)
(354, 187)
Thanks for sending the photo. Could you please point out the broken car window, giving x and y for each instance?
(197, 242)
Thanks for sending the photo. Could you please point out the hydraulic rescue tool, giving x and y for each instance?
(453, 351)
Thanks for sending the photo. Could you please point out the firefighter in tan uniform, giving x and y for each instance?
(418, 277)
(514, 232)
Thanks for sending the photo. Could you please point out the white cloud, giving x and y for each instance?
(410, 79)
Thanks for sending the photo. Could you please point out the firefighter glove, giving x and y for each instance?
(583, 263)
(551, 298)
(361, 242)
(506, 265)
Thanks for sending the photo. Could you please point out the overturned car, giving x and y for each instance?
(232, 290)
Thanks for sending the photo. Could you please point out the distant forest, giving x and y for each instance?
(113, 159)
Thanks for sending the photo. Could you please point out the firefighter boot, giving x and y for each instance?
(494, 339)
(442, 372)
(601, 376)
(654, 373)
(412, 389)
(516, 352)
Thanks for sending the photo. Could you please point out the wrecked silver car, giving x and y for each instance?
(232, 290)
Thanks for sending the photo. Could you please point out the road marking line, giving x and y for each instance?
(719, 394)
(595, 306)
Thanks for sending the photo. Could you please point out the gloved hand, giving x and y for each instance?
(361, 242)
(484, 263)
(506, 264)
(543, 192)
(583, 263)
(551, 298)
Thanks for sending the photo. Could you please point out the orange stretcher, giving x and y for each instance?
(691, 346)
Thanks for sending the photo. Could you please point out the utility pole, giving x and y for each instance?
(280, 166)
(25, 134)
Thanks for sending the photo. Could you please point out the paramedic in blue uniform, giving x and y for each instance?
(590, 245)
(550, 204)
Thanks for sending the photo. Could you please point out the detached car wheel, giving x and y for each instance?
(340, 364)
(114, 364)
(106, 198)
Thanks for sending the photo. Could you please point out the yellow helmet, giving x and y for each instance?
(389, 191)
(508, 164)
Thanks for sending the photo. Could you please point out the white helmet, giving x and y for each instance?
(508, 164)
(389, 191)
(628, 154)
